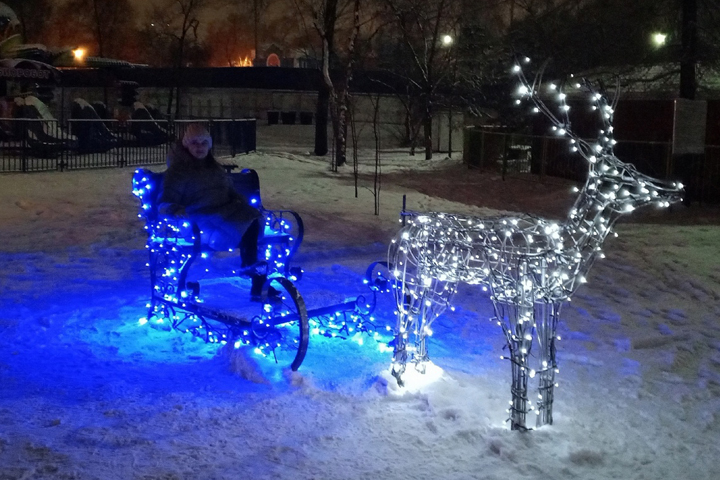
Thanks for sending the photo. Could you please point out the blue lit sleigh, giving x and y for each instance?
(282, 327)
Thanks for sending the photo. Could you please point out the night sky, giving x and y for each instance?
(144, 5)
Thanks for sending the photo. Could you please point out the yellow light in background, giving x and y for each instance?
(79, 54)
(245, 62)
(447, 40)
(659, 38)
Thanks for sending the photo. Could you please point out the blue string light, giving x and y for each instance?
(172, 246)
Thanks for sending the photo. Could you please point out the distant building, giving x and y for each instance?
(274, 56)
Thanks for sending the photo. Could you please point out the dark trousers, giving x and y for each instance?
(248, 255)
(249, 244)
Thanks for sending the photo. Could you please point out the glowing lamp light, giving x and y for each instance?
(659, 39)
(447, 40)
(79, 54)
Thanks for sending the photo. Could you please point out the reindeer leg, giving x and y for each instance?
(420, 298)
(402, 256)
(411, 319)
(400, 354)
(420, 357)
(435, 298)
(407, 311)
(517, 325)
(547, 316)
(416, 315)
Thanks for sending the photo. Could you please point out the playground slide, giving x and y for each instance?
(102, 110)
(44, 135)
(92, 133)
(47, 129)
(144, 127)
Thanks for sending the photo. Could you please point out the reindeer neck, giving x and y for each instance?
(590, 220)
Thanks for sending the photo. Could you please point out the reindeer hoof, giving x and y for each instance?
(398, 377)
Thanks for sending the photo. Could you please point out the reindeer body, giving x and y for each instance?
(529, 265)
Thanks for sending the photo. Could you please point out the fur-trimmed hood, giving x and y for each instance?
(178, 154)
(202, 187)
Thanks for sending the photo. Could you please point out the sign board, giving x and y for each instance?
(19, 73)
(689, 125)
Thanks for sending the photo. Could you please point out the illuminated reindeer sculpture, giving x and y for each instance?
(529, 264)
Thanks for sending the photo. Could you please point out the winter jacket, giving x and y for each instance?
(202, 189)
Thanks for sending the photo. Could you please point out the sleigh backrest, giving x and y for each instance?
(280, 238)
(247, 183)
(147, 186)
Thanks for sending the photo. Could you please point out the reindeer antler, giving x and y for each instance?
(606, 110)
(561, 122)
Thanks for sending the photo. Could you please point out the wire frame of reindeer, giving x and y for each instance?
(530, 265)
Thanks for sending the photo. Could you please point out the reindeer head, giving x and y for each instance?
(621, 188)
(611, 183)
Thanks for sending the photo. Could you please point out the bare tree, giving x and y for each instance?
(582, 35)
(258, 6)
(174, 25)
(426, 29)
(377, 177)
(278, 24)
(230, 40)
(323, 17)
(251, 14)
(340, 92)
(352, 22)
(109, 23)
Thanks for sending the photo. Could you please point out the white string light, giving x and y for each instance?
(530, 265)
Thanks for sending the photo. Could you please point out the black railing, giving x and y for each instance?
(32, 145)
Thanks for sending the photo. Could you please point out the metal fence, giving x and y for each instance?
(541, 157)
(31, 145)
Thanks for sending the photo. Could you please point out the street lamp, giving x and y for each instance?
(447, 41)
(79, 54)
(659, 39)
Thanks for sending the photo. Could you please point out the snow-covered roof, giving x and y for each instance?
(8, 13)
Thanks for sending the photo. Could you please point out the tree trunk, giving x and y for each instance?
(408, 130)
(326, 29)
(341, 129)
(177, 102)
(321, 120)
(344, 95)
(335, 119)
(376, 137)
(170, 101)
(427, 130)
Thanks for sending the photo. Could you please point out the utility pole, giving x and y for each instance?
(690, 114)
(255, 14)
(688, 55)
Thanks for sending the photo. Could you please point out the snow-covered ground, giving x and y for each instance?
(88, 393)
